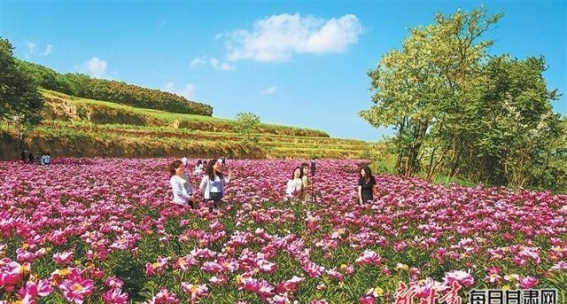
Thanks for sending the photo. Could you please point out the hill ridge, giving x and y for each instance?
(89, 128)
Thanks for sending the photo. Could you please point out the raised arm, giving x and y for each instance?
(203, 184)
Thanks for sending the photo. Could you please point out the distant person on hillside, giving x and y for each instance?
(366, 185)
(184, 160)
(294, 185)
(180, 184)
(45, 159)
(30, 157)
(23, 156)
(213, 184)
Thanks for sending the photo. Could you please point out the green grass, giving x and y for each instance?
(446, 180)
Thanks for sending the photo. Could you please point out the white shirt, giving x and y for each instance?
(182, 189)
(198, 169)
(184, 161)
(293, 186)
(217, 185)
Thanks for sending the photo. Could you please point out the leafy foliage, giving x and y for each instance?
(459, 112)
(246, 122)
(518, 135)
(421, 89)
(19, 98)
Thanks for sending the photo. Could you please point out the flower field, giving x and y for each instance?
(105, 231)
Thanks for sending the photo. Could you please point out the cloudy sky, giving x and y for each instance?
(299, 63)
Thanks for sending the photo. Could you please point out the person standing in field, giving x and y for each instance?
(184, 160)
(366, 185)
(294, 185)
(213, 184)
(198, 168)
(304, 175)
(180, 184)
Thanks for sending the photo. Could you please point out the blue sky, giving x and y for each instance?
(299, 63)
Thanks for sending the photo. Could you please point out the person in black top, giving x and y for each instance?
(366, 185)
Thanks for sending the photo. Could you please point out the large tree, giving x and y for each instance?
(423, 89)
(458, 110)
(19, 98)
(518, 135)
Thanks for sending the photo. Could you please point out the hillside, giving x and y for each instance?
(84, 127)
(84, 86)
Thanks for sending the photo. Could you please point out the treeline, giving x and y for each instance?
(84, 86)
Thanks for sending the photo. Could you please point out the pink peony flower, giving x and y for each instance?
(195, 291)
(113, 282)
(165, 296)
(32, 289)
(562, 265)
(462, 277)
(527, 282)
(63, 258)
(369, 257)
(115, 296)
(76, 289)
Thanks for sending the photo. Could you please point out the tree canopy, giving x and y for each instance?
(458, 111)
(20, 100)
(246, 122)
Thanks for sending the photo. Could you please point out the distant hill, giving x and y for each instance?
(92, 117)
(85, 127)
(84, 86)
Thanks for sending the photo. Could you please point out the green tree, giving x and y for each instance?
(518, 139)
(246, 122)
(43, 77)
(423, 92)
(19, 98)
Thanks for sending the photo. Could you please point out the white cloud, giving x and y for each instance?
(213, 62)
(198, 62)
(279, 37)
(269, 91)
(169, 86)
(30, 47)
(95, 67)
(226, 67)
(188, 91)
(48, 50)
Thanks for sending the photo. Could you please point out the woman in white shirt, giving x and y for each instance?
(295, 184)
(213, 183)
(180, 184)
(198, 168)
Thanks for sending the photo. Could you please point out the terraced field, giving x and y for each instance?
(275, 146)
(83, 127)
